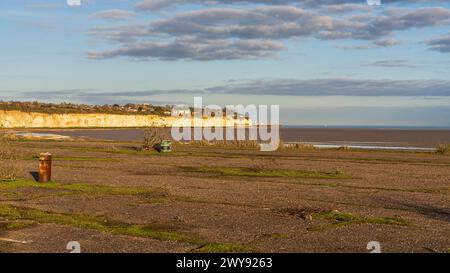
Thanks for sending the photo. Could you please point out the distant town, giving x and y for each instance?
(126, 109)
(68, 108)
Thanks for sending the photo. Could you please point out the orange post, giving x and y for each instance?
(45, 167)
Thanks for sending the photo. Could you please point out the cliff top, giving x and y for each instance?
(70, 108)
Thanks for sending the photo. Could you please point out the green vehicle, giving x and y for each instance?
(164, 146)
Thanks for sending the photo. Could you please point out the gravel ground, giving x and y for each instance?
(261, 214)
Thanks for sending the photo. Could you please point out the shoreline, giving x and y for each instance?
(353, 138)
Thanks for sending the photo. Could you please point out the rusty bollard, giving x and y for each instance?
(45, 167)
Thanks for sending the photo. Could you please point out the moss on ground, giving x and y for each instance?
(347, 217)
(212, 202)
(130, 151)
(223, 248)
(76, 166)
(94, 223)
(74, 158)
(20, 214)
(89, 189)
(15, 225)
(249, 172)
(338, 219)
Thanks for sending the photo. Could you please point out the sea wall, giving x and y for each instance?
(18, 119)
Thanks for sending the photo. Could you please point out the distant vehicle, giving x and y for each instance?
(165, 146)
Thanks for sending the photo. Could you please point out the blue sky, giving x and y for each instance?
(326, 62)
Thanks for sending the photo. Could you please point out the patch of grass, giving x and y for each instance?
(251, 172)
(85, 158)
(326, 184)
(76, 166)
(211, 202)
(9, 167)
(15, 225)
(122, 151)
(304, 213)
(89, 189)
(339, 219)
(102, 224)
(74, 158)
(223, 248)
(8, 170)
(94, 223)
(140, 152)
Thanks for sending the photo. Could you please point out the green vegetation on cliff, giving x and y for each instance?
(70, 108)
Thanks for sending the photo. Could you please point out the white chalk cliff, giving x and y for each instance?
(18, 119)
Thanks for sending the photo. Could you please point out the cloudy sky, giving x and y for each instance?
(325, 62)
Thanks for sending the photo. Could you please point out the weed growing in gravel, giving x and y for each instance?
(75, 158)
(95, 223)
(153, 136)
(89, 189)
(115, 227)
(15, 225)
(9, 166)
(251, 172)
(339, 219)
(223, 248)
(443, 149)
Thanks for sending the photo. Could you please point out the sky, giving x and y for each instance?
(325, 62)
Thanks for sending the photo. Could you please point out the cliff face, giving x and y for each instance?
(17, 119)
